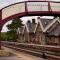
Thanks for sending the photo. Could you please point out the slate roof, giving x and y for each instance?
(45, 22)
(56, 30)
(31, 27)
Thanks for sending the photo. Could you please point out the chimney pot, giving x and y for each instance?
(33, 20)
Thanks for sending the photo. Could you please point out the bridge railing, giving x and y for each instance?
(37, 6)
(30, 6)
(55, 6)
(13, 9)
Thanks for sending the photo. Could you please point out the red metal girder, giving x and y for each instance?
(1, 14)
(26, 9)
(26, 13)
(49, 6)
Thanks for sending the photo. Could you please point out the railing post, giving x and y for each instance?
(26, 9)
(49, 7)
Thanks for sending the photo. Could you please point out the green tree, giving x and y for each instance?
(16, 23)
(12, 33)
(3, 36)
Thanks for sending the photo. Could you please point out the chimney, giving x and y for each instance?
(38, 17)
(28, 21)
(33, 21)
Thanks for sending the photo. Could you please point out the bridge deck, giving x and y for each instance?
(29, 8)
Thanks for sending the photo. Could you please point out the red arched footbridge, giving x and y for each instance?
(29, 8)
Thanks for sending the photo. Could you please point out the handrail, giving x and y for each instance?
(42, 9)
(29, 1)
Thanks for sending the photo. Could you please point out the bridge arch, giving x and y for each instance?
(29, 8)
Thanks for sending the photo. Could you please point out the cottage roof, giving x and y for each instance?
(31, 27)
(55, 29)
(47, 23)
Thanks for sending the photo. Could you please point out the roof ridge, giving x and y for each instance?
(31, 26)
(47, 27)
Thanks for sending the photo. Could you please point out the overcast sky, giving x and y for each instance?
(4, 3)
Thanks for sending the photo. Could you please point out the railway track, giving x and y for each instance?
(44, 51)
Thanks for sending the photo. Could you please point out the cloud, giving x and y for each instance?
(4, 29)
(4, 3)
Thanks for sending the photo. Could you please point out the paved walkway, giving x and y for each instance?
(19, 56)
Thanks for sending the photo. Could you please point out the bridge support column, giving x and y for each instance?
(0, 26)
(0, 37)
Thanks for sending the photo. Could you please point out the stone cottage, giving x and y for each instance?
(45, 32)
(51, 30)
(30, 31)
(21, 34)
(53, 33)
